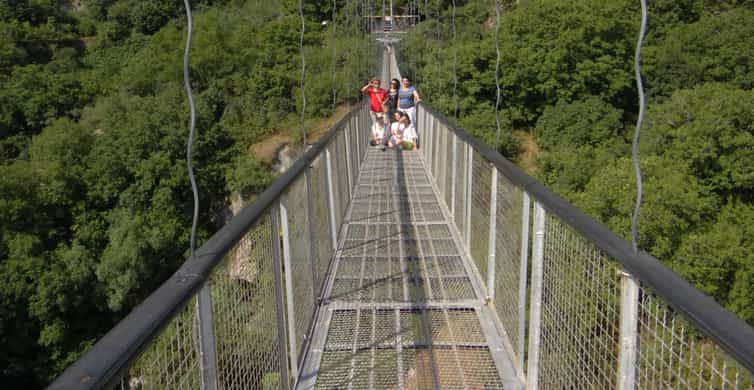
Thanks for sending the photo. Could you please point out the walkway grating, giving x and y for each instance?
(401, 310)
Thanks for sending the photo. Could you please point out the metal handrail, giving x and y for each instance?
(733, 334)
(109, 359)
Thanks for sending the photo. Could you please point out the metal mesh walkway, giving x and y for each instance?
(401, 309)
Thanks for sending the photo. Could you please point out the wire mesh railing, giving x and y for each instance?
(563, 299)
(263, 274)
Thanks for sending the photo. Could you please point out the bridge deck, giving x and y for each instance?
(402, 307)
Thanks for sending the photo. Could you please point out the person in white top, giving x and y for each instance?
(409, 134)
(402, 132)
(396, 131)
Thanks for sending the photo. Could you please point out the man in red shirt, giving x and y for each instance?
(377, 98)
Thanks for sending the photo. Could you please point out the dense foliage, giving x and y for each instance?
(567, 79)
(95, 203)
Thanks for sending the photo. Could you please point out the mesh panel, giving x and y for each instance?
(460, 187)
(442, 160)
(580, 313)
(172, 360)
(243, 298)
(321, 219)
(508, 256)
(449, 171)
(480, 213)
(674, 354)
(300, 258)
(341, 173)
(336, 194)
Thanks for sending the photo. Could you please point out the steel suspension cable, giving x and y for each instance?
(303, 71)
(192, 126)
(334, 55)
(637, 131)
(455, 64)
(497, 75)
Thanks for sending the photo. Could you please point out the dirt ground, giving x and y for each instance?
(267, 150)
(527, 157)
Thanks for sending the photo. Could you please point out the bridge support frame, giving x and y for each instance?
(312, 234)
(525, 226)
(331, 199)
(469, 194)
(535, 314)
(287, 268)
(453, 175)
(491, 248)
(629, 332)
(277, 266)
(207, 349)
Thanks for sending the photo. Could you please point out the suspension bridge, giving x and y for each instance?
(441, 268)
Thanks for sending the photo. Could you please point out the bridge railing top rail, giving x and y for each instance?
(725, 328)
(109, 360)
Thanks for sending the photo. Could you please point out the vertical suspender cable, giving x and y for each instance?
(303, 70)
(639, 120)
(192, 125)
(334, 55)
(455, 65)
(497, 74)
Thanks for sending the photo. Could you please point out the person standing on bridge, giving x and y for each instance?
(377, 99)
(392, 98)
(408, 98)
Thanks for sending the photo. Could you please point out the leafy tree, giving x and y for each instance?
(711, 129)
(590, 121)
(719, 259)
(674, 202)
(718, 47)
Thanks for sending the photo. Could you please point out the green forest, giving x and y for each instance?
(95, 203)
(567, 84)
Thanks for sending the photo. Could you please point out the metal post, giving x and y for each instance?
(312, 233)
(207, 347)
(469, 180)
(292, 342)
(629, 334)
(535, 317)
(331, 200)
(350, 179)
(493, 237)
(359, 124)
(279, 304)
(526, 209)
(430, 143)
(453, 179)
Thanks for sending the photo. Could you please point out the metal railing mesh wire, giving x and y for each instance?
(580, 326)
(320, 208)
(581, 308)
(508, 256)
(171, 361)
(294, 201)
(479, 219)
(244, 312)
(263, 288)
(674, 354)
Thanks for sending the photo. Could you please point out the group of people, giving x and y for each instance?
(393, 114)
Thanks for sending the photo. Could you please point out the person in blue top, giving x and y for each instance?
(408, 98)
